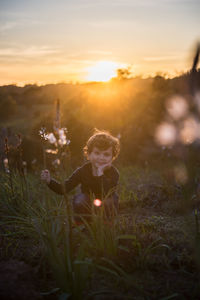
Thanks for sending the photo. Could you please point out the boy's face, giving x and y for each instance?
(100, 157)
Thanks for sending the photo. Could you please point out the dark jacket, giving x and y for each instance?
(100, 186)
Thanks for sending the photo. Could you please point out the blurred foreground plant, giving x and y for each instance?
(48, 227)
(72, 261)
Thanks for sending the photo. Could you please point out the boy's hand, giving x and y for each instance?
(102, 168)
(45, 176)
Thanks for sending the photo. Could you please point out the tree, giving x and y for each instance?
(8, 107)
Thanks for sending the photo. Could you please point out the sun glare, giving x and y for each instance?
(102, 71)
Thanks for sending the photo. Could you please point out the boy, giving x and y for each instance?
(97, 176)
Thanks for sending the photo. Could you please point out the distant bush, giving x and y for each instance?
(8, 107)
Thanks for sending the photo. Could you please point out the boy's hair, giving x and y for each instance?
(102, 140)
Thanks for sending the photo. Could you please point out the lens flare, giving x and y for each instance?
(97, 202)
(166, 134)
(177, 107)
(190, 130)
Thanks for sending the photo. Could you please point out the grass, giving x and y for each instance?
(148, 252)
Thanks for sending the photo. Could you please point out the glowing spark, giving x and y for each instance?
(97, 202)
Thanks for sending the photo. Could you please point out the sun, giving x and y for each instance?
(102, 71)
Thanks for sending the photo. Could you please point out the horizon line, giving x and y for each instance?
(82, 82)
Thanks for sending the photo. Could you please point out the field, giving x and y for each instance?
(99, 150)
(151, 249)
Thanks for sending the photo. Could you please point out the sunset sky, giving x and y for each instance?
(50, 41)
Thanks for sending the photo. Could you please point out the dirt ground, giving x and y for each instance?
(17, 281)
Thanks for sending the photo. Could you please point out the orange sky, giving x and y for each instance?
(61, 41)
